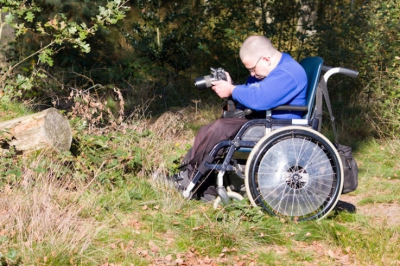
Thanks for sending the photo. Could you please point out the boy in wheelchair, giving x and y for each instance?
(275, 79)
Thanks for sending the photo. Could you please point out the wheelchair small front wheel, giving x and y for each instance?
(294, 172)
(232, 197)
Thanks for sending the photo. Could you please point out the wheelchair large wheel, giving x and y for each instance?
(294, 172)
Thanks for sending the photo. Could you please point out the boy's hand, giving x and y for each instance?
(223, 88)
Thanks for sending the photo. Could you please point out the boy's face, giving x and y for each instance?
(260, 68)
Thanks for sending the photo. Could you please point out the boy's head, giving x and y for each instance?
(256, 54)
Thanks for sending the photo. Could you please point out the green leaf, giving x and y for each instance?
(45, 57)
(29, 16)
(12, 254)
(82, 35)
(72, 30)
(9, 19)
(85, 47)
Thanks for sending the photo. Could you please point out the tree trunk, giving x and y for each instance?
(7, 34)
(46, 129)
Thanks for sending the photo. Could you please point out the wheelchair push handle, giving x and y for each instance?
(339, 70)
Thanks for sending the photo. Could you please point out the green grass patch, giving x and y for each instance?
(11, 109)
(379, 159)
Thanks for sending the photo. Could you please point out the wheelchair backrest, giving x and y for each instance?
(313, 67)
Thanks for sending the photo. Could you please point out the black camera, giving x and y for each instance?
(202, 83)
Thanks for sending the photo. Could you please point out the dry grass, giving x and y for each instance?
(167, 195)
(169, 142)
(170, 124)
(44, 213)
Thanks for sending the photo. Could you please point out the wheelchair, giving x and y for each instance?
(289, 169)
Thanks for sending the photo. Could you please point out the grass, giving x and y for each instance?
(82, 208)
(10, 110)
(379, 172)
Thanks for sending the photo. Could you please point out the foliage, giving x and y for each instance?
(161, 46)
(362, 38)
(382, 66)
(108, 158)
(52, 33)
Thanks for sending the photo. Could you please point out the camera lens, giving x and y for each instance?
(203, 83)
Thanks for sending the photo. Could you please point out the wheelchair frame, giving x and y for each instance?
(292, 170)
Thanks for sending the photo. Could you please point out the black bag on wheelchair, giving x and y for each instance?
(350, 169)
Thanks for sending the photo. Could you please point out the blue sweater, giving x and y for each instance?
(285, 85)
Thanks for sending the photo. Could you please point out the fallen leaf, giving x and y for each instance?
(168, 258)
(331, 254)
(197, 228)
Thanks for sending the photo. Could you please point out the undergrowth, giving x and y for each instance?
(107, 201)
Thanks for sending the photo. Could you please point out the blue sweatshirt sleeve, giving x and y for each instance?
(279, 88)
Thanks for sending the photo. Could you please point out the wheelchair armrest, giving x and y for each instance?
(302, 108)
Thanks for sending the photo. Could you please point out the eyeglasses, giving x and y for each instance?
(254, 68)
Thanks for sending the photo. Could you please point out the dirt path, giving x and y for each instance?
(380, 212)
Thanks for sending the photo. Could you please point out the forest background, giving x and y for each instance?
(123, 72)
(157, 48)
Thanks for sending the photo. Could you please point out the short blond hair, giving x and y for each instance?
(256, 46)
